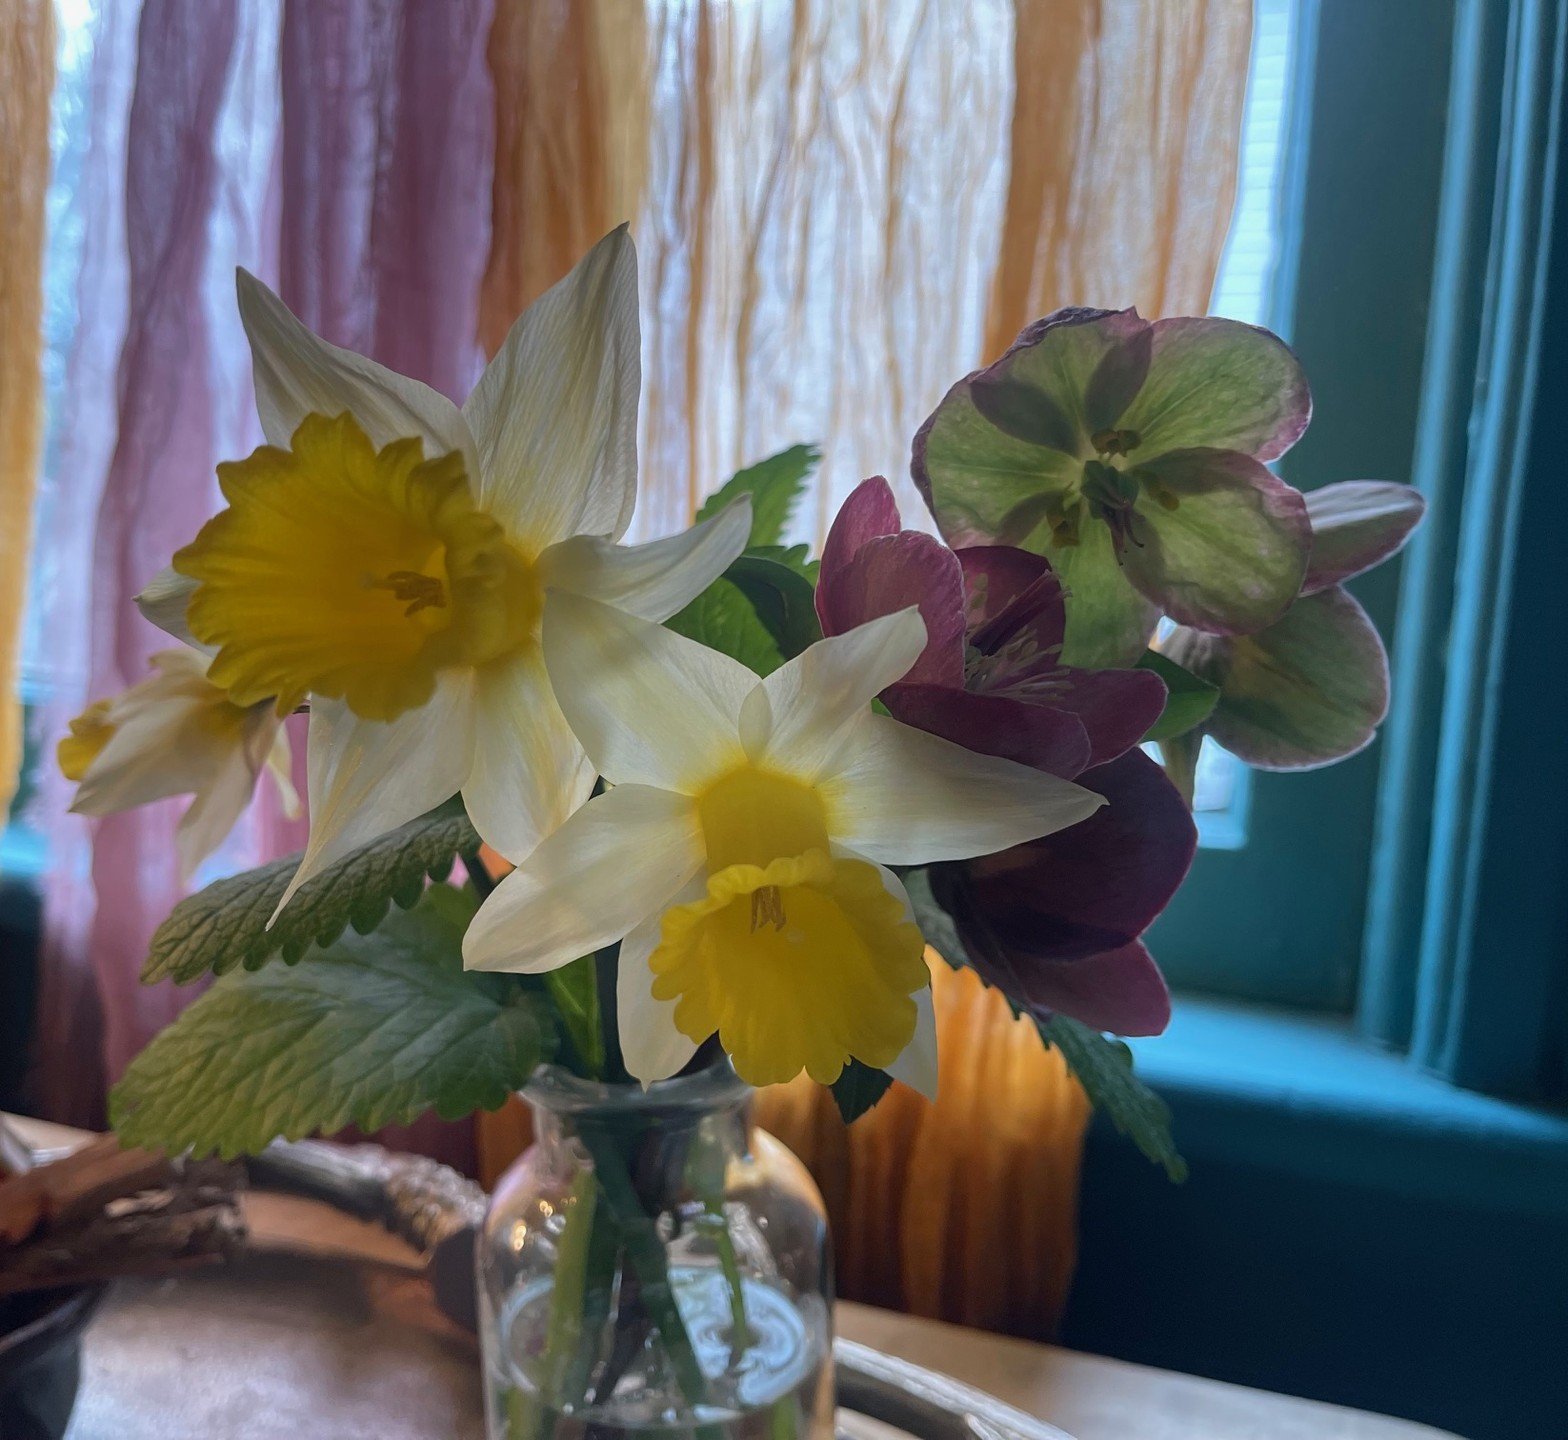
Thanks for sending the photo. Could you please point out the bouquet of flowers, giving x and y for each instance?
(734, 790)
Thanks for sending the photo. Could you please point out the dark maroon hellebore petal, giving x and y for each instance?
(1031, 914)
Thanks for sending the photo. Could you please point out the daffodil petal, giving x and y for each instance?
(280, 766)
(369, 776)
(529, 772)
(555, 413)
(650, 706)
(297, 373)
(163, 600)
(651, 1046)
(902, 797)
(916, 1067)
(653, 580)
(157, 750)
(614, 864)
(214, 811)
(828, 687)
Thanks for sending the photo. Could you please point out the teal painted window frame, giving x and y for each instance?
(1280, 917)
(1420, 891)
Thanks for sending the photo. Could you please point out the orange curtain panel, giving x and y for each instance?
(26, 80)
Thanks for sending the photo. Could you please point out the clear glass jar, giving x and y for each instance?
(655, 1263)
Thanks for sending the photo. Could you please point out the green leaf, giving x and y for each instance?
(1102, 1064)
(858, 1088)
(794, 557)
(775, 486)
(1104, 1068)
(1189, 701)
(784, 598)
(224, 925)
(724, 619)
(374, 1031)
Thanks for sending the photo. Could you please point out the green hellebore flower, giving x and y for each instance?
(1312, 688)
(1133, 455)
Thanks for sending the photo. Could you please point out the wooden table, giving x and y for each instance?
(329, 1335)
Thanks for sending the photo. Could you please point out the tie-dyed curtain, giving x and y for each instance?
(838, 209)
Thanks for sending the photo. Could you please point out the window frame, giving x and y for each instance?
(1280, 918)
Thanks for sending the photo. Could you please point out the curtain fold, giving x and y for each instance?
(1122, 162)
(387, 125)
(160, 472)
(571, 143)
(26, 83)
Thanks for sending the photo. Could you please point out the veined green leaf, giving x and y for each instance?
(224, 926)
(858, 1088)
(775, 486)
(373, 1031)
(795, 557)
(1189, 701)
(1104, 1068)
(783, 598)
(723, 618)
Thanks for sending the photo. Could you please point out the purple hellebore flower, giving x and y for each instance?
(1055, 925)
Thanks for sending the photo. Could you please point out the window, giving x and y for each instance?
(1333, 246)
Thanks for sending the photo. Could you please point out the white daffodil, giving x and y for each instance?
(387, 554)
(176, 733)
(740, 857)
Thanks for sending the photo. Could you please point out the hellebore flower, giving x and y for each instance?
(1311, 688)
(176, 733)
(387, 554)
(1053, 923)
(990, 677)
(740, 854)
(1133, 454)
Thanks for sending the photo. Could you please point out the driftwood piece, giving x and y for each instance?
(15, 1158)
(74, 1188)
(427, 1205)
(102, 1211)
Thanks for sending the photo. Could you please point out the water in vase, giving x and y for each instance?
(767, 1384)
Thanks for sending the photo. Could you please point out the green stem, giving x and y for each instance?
(574, 993)
(645, 1253)
(605, 965)
(564, 1338)
(740, 1330)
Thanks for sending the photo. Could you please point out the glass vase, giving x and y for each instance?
(653, 1263)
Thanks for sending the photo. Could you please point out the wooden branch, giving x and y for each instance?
(103, 1211)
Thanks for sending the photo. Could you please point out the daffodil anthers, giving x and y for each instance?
(740, 854)
(387, 555)
(177, 733)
